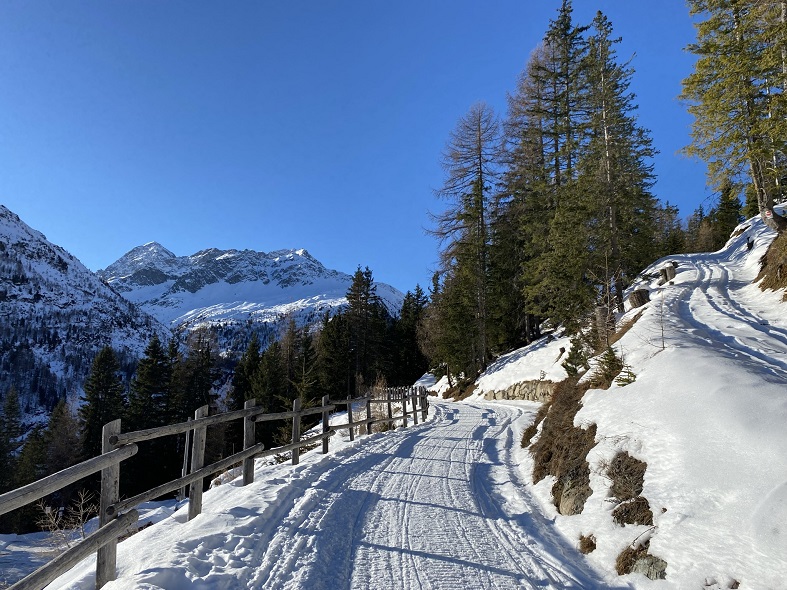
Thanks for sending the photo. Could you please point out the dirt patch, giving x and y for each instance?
(562, 448)
(773, 266)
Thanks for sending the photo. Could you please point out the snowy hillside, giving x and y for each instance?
(217, 287)
(56, 315)
(707, 413)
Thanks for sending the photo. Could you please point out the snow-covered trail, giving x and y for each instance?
(439, 505)
(714, 303)
(431, 507)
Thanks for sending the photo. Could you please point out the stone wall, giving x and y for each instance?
(535, 391)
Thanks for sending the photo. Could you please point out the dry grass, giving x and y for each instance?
(587, 544)
(531, 430)
(627, 475)
(635, 511)
(773, 266)
(562, 448)
(628, 557)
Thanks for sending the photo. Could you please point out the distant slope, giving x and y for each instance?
(233, 288)
(56, 314)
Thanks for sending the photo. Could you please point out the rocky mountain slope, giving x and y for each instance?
(233, 291)
(54, 315)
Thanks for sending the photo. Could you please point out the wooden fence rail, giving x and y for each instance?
(117, 516)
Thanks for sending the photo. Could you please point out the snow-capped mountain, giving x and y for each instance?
(55, 315)
(226, 288)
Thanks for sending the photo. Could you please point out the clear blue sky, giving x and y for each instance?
(286, 124)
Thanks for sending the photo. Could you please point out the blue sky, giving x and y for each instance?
(289, 124)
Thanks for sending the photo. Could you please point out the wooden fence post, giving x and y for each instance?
(249, 439)
(197, 462)
(413, 397)
(424, 403)
(296, 430)
(326, 423)
(350, 419)
(185, 469)
(369, 413)
(404, 406)
(106, 560)
(388, 393)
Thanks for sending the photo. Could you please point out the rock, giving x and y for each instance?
(650, 566)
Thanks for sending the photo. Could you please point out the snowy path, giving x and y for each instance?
(440, 505)
(713, 307)
(424, 508)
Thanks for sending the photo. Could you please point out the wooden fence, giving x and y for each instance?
(117, 516)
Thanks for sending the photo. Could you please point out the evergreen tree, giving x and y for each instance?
(152, 404)
(336, 372)
(10, 433)
(245, 375)
(615, 173)
(410, 363)
(149, 401)
(61, 437)
(471, 160)
(736, 94)
(104, 400)
(366, 323)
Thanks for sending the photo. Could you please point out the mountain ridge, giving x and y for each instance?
(214, 286)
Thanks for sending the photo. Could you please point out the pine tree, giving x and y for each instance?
(336, 372)
(149, 401)
(736, 94)
(244, 376)
(104, 400)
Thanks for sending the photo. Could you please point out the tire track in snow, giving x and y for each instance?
(711, 309)
(420, 508)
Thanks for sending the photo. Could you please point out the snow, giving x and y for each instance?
(450, 503)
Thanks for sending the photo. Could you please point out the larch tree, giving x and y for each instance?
(737, 96)
(471, 162)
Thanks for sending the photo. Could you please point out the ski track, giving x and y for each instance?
(713, 312)
(422, 508)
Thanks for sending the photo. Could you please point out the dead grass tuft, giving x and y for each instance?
(587, 544)
(531, 430)
(635, 511)
(773, 266)
(628, 557)
(627, 475)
